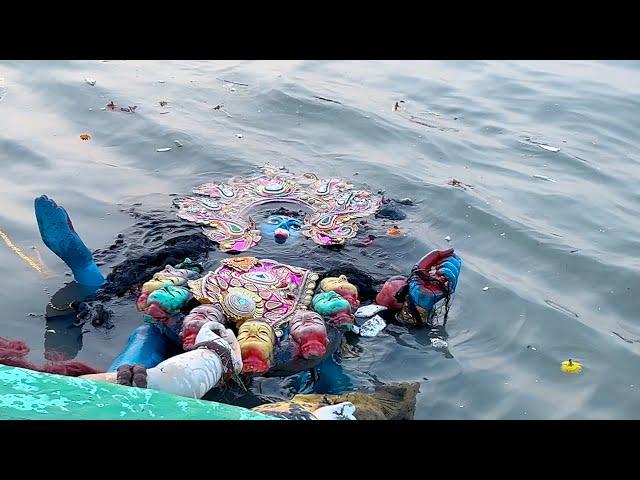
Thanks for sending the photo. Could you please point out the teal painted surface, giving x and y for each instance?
(29, 395)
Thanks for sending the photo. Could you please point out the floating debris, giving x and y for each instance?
(235, 83)
(571, 366)
(129, 109)
(327, 99)
(238, 135)
(369, 310)
(51, 330)
(394, 231)
(454, 182)
(439, 343)
(90, 81)
(447, 238)
(178, 144)
(547, 147)
(372, 327)
(111, 105)
(163, 103)
(161, 81)
(406, 201)
(485, 289)
(369, 240)
(391, 212)
(163, 149)
(559, 307)
(543, 177)
(85, 136)
(531, 348)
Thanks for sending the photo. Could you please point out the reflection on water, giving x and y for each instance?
(550, 225)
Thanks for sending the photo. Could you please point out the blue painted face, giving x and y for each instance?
(280, 227)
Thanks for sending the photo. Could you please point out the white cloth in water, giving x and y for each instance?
(368, 311)
(194, 373)
(190, 374)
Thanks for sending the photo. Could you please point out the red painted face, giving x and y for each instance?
(349, 296)
(386, 297)
(254, 361)
(309, 334)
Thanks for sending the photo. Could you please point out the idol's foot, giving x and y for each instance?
(59, 236)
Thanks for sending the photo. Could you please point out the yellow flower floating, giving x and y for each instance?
(571, 366)
(85, 136)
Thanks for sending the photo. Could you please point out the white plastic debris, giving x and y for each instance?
(485, 288)
(239, 135)
(178, 144)
(160, 81)
(543, 177)
(369, 310)
(438, 343)
(547, 147)
(447, 238)
(163, 149)
(372, 327)
(90, 81)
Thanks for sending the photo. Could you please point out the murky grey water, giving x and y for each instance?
(553, 234)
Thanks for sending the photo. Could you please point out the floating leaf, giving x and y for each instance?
(85, 136)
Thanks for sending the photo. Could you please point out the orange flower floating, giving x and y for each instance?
(111, 105)
(85, 136)
(394, 231)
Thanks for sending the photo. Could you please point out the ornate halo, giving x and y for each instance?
(223, 208)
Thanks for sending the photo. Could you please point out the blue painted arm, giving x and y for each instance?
(146, 346)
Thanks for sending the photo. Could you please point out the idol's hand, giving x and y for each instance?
(215, 331)
(434, 276)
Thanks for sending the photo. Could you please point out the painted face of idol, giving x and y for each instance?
(280, 228)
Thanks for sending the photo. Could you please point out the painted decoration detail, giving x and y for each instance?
(224, 209)
(245, 287)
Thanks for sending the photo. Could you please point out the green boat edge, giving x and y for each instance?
(30, 395)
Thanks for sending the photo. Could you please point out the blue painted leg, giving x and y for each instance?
(59, 236)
